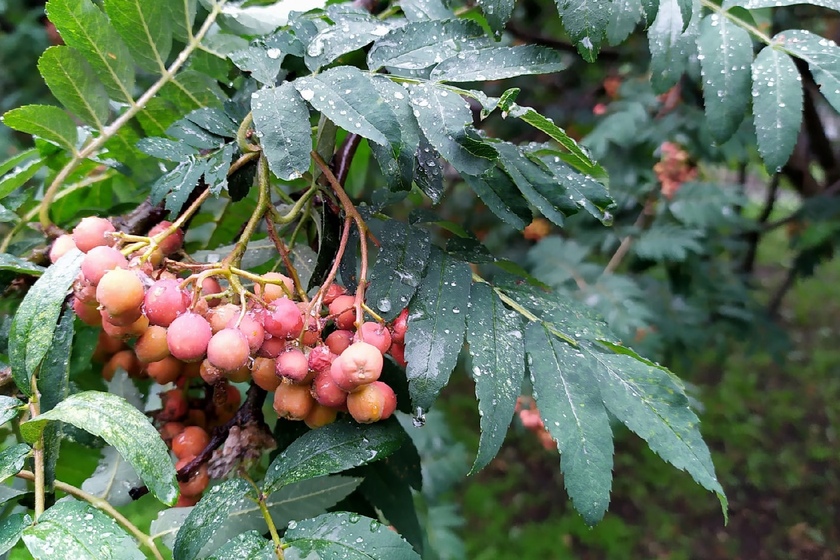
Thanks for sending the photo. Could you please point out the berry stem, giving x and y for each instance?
(284, 252)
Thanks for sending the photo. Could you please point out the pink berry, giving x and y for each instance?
(91, 232)
(359, 365)
(293, 365)
(188, 337)
(228, 349)
(165, 301)
(375, 334)
(283, 319)
(100, 260)
(62, 245)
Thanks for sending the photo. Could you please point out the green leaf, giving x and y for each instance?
(668, 51)
(777, 105)
(399, 169)
(586, 23)
(157, 116)
(11, 460)
(422, 44)
(497, 13)
(822, 56)
(218, 165)
(647, 400)
(443, 117)
(334, 41)
(262, 63)
(498, 63)
(177, 185)
(585, 192)
(424, 10)
(112, 479)
(345, 535)
(19, 266)
(79, 531)
(497, 191)
(249, 545)
(347, 97)
(191, 90)
(758, 4)
(494, 338)
(164, 148)
(214, 121)
(668, 242)
(725, 53)
(17, 159)
(331, 449)
(34, 324)
(436, 327)
(208, 515)
(144, 26)
(624, 16)
(570, 405)
(84, 27)
(72, 81)
(46, 121)
(398, 268)
(117, 422)
(11, 528)
(181, 17)
(281, 119)
(9, 408)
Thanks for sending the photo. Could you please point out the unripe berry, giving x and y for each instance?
(273, 292)
(359, 365)
(152, 346)
(339, 341)
(165, 370)
(320, 416)
(165, 301)
(264, 373)
(100, 260)
(292, 401)
(399, 326)
(221, 316)
(62, 245)
(228, 349)
(283, 319)
(293, 365)
(129, 330)
(342, 308)
(172, 242)
(375, 334)
(326, 392)
(333, 292)
(124, 359)
(372, 403)
(120, 292)
(251, 328)
(188, 337)
(88, 313)
(197, 482)
(190, 442)
(91, 232)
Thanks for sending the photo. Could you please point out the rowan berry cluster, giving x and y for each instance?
(175, 322)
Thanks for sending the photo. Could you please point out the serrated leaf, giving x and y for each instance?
(435, 336)
(624, 16)
(443, 117)
(194, 135)
(585, 192)
(497, 13)
(725, 53)
(117, 422)
(498, 63)
(112, 479)
(499, 193)
(422, 44)
(332, 449)
(18, 159)
(35, 321)
(668, 242)
(424, 10)
(191, 90)
(399, 267)
(398, 169)
(9, 408)
(586, 23)
(308, 498)
(571, 409)
(348, 98)
(262, 63)
(166, 149)
(822, 56)
(177, 184)
(18, 265)
(157, 116)
(706, 205)
(647, 400)
(11, 528)
(281, 119)
(668, 50)
(79, 531)
(72, 81)
(144, 26)
(12, 459)
(249, 545)
(777, 105)
(46, 121)
(84, 27)
(214, 121)
(428, 173)
(218, 165)
(345, 535)
(494, 336)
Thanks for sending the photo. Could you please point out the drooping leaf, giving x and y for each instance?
(19, 266)
(497, 191)
(112, 479)
(281, 119)
(725, 53)
(398, 169)
(428, 175)
(262, 63)
(497, 13)
(46, 121)
(249, 545)
(72, 81)
(585, 192)
(348, 98)
(443, 117)
(570, 405)
(144, 26)
(586, 23)
(494, 336)
(624, 16)
(218, 165)
(191, 90)
(79, 531)
(668, 51)
(345, 535)
(436, 321)
(398, 268)
(9, 408)
(35, 321)
(822, 56)
(11, 460)
(498, 63)
(422, 44)
(166, 149)
(332, 449)
(120, 424)
(84, 27)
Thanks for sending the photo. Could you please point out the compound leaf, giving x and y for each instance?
(421, 44)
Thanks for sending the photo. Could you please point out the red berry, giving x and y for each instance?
(399, 326)
(320, 358)
(273, 292)
(188, 337)
(172, 242)
(175, 405)
(251, 328)
(152, 346)
(338, 341)
(283, 319)
(165, 370)
(221, 316)
(124, 359)
(122, 326)
(292, 401)
(375, 334)
(190, 442)
(333, 292)
(342, 308)
(397, 352)
(210, 286)
(88, 313)
(326, 392)
(165, 301)
(293, 365)
(63, 244)
(210, 373)
(91, 232)
(228, 349)
(197, 482)
(271, 347)
(372, 403)
(120, 292)
(169, 430)
(264, 373)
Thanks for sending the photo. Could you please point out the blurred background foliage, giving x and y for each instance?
(717, 269)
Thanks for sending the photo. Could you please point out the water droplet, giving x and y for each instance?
(419, 419)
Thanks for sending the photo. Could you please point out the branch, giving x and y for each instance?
(753, 237)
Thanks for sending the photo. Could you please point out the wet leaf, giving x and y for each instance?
(422, 44)
(11, 460)
(281, 119)
(47, 121)
(497, 63)
(586, 23)
(822, 56)
(19, 265)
